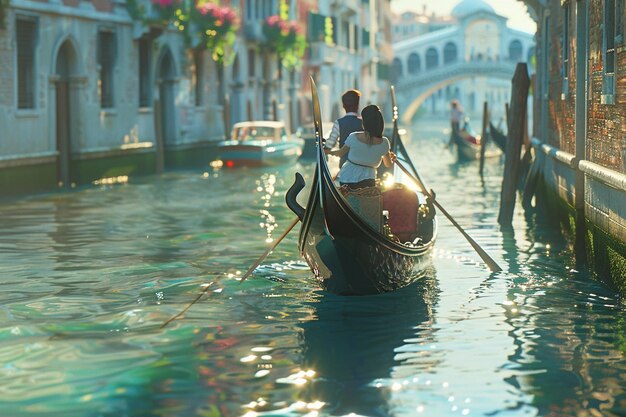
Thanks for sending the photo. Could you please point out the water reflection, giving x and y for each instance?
(352, 343)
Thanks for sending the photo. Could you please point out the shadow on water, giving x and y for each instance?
(352, 342)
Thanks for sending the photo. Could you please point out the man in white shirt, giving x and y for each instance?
(347, 124)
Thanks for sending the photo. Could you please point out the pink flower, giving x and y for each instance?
(273, 20)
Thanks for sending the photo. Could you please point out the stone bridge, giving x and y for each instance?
(413, 89)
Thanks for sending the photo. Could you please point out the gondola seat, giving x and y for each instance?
(402, 204)
(367, 203)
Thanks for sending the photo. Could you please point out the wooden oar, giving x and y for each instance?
(485, 257)
(267, 252)
(174, 317)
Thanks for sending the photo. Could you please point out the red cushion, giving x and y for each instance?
(402, 205)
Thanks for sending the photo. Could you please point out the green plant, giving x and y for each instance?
(212, 27)
(284, 37)
(203, 23)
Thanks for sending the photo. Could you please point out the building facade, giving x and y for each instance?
(89, 92)
(349, 47)
(106, 89)
(580, 127)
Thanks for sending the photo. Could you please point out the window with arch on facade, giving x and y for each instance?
(449, 53)
(414, 63)
(432, 58)
(26, 30)
(515, 50)
(106, 62)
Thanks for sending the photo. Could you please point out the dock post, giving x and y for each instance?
(517, 115)
(158, 137)
(483, 138)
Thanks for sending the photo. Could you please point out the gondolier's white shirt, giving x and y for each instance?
(363, 159)
(334, 133)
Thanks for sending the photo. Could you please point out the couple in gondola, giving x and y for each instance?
(362, 146)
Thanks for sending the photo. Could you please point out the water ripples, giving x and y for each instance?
(89, 277)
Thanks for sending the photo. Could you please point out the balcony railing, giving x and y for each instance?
(322, 53)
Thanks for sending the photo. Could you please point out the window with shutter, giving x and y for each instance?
(26, 35)
(106, 60)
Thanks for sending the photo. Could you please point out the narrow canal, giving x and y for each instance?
(88, 277)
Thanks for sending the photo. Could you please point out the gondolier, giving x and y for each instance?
(344, 126)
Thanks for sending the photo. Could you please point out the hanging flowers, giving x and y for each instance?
(284, 37)
(213, 27)
(203, 23)
(166, 9)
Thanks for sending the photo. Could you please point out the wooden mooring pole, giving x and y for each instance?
(517, 117)
(483, 138)
(158, 136)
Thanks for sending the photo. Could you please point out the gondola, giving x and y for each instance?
(350, 255)
(498, 137)
(468, 146)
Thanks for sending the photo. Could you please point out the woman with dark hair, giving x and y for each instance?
(365, 151)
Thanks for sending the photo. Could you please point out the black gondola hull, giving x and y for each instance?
(348, 257)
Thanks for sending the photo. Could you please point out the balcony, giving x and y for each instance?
(322, 53)
(346, 6)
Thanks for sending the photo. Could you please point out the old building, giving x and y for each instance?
(349, 47)
(469, 55)
(90, 92)
(580, 124)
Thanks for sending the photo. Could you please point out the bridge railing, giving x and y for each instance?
(496, 68)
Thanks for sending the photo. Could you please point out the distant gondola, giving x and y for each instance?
(468, 146)
(347, 254)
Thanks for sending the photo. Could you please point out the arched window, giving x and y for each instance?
(414, 64)
(396, 69)
(531, 55)
(449, 53)
(515, 50)
(432, 58)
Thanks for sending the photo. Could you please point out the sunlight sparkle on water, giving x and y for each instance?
(261, 349)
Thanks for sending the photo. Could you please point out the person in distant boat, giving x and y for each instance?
(364, 151)
(347, 124)
(456, 116)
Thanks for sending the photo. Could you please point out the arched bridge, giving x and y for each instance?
(413, 89)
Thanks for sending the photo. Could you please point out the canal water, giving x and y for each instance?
(88, 277)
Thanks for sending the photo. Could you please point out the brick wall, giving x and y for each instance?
(607, 122)
(606, 125)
